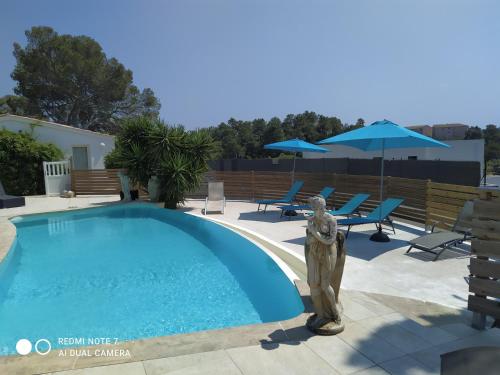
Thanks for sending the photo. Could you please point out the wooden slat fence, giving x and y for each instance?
(259, 185)
(485, 267)
(95, 181)
(424, 201)
(444, 202)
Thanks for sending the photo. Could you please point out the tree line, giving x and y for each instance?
(246, 139)
(491, 135)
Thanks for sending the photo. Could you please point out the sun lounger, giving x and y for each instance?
(9, 201)
(215, 194)
(325, 193)
(438, 241)
(351, 206)
(381, 213)
(288, 198)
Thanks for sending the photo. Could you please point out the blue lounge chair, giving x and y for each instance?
(288, 198)
(381, 213)
(351, 206)
(325, 193)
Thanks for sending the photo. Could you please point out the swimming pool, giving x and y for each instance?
(134, 271)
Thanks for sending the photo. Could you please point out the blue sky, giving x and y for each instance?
(411, 61)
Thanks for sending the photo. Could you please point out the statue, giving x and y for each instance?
(325, 258)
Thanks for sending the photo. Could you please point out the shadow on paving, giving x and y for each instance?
(397, 344)
(359, 245)
(268, 217)
(456, 252)
(406, 228)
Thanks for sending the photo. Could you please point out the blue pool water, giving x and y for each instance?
(134, 271)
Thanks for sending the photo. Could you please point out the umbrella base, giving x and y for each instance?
(379, 237)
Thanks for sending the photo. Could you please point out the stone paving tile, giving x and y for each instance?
(403, 339)
(133, 368)
(366, 301)
(34, 363)
(434, 335)
(459, 330)
(493, 333)
(372, 371)
(210, 363)
(406, 366)
(356, 311)
(290, 358)
(432, 357)
(295, 332)
(341, 356)
(371, 346)
(196, 342)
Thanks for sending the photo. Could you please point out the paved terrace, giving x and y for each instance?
(385, 333)
(370, 266)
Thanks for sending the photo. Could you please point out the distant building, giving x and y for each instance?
(448, 132)
(422, 129)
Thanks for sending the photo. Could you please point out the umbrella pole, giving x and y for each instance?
(293, 170)
(380, 236)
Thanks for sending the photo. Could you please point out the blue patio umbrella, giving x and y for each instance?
(382, 135)
(294, 145)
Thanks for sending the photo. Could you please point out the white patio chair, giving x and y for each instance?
(215, 195)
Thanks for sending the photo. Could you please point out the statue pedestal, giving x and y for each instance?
(328, 328)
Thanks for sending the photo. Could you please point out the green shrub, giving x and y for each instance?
(112, 160)
(21, 157)
(147, 147)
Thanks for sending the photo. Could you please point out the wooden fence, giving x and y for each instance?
(425, 202)
(95, 181)
(485, 267)
(444, 202)
(259, 185)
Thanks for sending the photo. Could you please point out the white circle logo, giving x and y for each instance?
(43, 341)
(23, 346)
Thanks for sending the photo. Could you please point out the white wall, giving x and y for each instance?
(461, 150)
(65, 137)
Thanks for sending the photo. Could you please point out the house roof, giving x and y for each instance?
(33, 121)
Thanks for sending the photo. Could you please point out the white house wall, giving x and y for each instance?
(460, 150)
(64, 137)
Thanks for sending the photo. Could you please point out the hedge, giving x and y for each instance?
(21, 158)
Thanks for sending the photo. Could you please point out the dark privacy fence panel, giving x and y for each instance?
(450, 172)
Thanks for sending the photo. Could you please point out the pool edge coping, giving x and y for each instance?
(8, 235)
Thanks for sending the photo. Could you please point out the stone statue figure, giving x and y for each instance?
(325, 258)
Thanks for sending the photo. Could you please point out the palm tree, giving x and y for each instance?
(148, 147)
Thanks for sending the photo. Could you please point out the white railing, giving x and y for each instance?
(57, 175)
